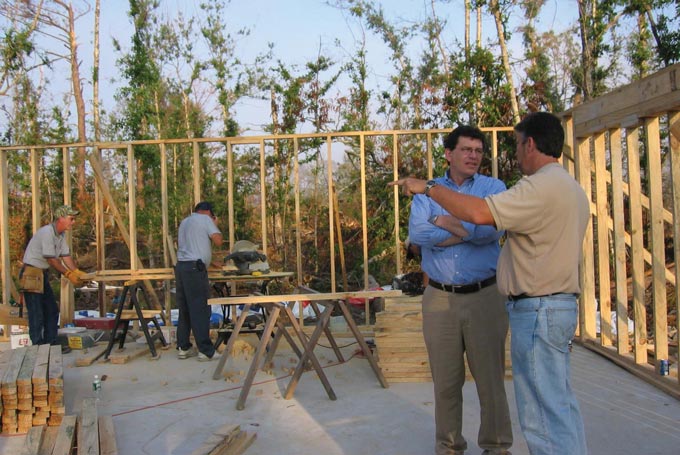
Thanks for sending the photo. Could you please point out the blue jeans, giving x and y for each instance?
(43, 314)
(548, 411)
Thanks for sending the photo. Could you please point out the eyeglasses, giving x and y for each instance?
(470, 151)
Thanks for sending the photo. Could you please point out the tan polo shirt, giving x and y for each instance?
(545, 216)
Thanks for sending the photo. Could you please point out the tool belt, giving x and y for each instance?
(31, 279)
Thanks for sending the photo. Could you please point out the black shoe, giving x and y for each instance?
(65, 349)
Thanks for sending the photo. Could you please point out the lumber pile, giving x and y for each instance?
(399, 342)
(400, 345)
(31, 388)
(89, 433)
(226, 440)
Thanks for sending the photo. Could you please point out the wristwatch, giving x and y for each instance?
(428, 186)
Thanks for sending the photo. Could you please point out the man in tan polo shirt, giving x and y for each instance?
(545, 215)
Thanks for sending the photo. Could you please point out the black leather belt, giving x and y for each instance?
(464, 288)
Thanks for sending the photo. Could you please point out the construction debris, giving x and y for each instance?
(227, 440)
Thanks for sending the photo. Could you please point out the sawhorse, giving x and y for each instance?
(278, 317)
(222, 289)
(134, 312)
(275, 309)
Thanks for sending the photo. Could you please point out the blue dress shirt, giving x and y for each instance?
(468, 262)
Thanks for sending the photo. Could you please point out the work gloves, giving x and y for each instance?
(75, 277)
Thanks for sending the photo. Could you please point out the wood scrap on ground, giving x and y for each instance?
(133, 351)
(88, 359)
(226, 440)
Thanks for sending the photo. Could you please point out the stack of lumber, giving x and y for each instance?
(226, 440)
(90, 434)
(400, 345)
(40, 385)
(56, 387)
(31, 388)
(399, 340)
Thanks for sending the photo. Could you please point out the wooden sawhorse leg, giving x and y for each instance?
(259, 353)
(308, 355)
(328, 306)
(232, 339)
(364, 347)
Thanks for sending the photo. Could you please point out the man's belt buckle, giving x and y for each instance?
(464, 288)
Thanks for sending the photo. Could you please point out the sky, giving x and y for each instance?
(298, 29)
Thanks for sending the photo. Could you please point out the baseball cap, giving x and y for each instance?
(65, 210)
(204, 205)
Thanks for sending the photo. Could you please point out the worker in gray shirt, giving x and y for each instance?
(47, 248)
(197, 233)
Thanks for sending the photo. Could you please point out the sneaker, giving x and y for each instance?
(182, 354)
(204, 358)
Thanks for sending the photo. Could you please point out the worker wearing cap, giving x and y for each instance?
(197, 233)
(48, 247)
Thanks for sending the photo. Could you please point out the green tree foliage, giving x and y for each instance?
(664, 28)
(140, 101)
(538, 91)
(488, 89)
(668, 43)
(232, 79)
(184, 76)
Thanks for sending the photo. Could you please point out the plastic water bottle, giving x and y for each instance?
(97, 387)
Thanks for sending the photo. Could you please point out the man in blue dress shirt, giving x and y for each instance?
(463, 312)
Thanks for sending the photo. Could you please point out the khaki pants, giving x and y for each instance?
(474, 325)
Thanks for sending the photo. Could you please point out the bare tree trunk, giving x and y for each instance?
(186, 105)
(445, 57)
(586, 51)
(78, 97)
(467, 29)
(99, 213)
(277, 170)
(479, 26)
(500, 28)
(95, 72)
